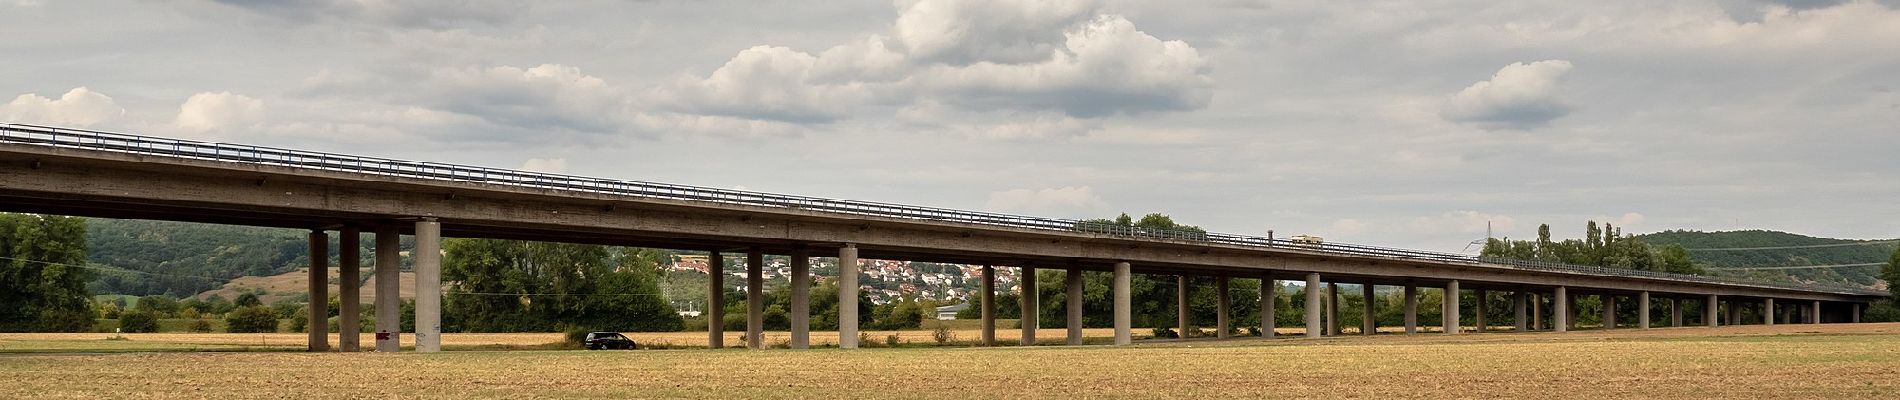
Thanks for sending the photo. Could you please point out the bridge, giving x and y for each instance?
(61, 171)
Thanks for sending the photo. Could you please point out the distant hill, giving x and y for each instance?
(1759, 248)
(295, 285)
(183, 259)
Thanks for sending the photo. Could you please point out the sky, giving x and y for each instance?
(1411, 123)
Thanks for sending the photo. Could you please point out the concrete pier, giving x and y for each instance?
(1854, 316)
(1411, 308)
(1814, 314)
(1560, 310)
(716, 300)
(989, 305)
(1181, 305)
(1571, 310)
(1029, 305)
(848, 296)
(1073, 281)
(318, 323)
(1520, 311)
(1124, 304)
(428, 266)
(1332, 308)
(1451, 317)
(1675, 312)
(1313, 305)
(801, 298)
(1768, 311)
(1710, 313)
(1537, 312)
(1367, 323)
(349, 296)
(1642, 310)
(388, 289)
(1482, 300)
(755, 299)
(1222, 307)
(1609, 310)
(1735, 313)
(1269, 291)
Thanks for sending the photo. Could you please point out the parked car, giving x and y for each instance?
(608, 341)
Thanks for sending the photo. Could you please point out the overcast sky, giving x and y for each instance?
(1401, 123)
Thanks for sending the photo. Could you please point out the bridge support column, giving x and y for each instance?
(1675, 312)
(1642, 310)
(1735, 313)
(1571, 310)
(1768, 311)
(1181, 306)
(716, 300)
(1451, 308)
(1269, 289)
(848, 296)
(349, 287)
(1520, 313)
(801, 298)
(1124, 304)
(1073, 279)
(1482, 298)
(1854, 316)
(755, 299)
(989, 305)
(1223, 306)
(1367, 324)
(1411, 308)
(428, 285)
(388, 288)
(1814, 314)
(1313, 305)
(1029, 305)
(1537, 312)
(1609, 310)
(1332, 308)
(319, 318)
(1709, 312)
(1560, 310)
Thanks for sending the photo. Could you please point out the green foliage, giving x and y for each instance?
(138, 322)
(1606, 246)
(518, 286)
(182, 259)
(163, 305)
(247, 299)
(41, 286)
(198, 326)
(1891, 274)
(1833, 255)
(254, 319)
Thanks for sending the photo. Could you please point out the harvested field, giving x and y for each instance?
(1784, 361)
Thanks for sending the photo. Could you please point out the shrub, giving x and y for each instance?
(1165, 333)
(298, 325)
(942, 335)
(199, 326)
(1253, 331)
(252, 319)
(892, 340)
(138, 321)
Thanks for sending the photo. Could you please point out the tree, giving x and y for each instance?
(519, 286)
(254, 319)
(40, 274)
(1891, 274)
(247, 299)
(163, 305)
(138, 322)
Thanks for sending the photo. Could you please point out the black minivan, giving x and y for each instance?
(609, 340)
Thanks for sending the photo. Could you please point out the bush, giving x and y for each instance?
(1165, 333)
(942, 335)
(138, 321)
(298, 325)
(252, 319)
(199, 326)
(892, 341)
(1882, 311)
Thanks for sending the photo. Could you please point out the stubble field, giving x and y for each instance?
(1785, 361)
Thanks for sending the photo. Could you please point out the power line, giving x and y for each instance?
(1812, 246)
(1799, 267)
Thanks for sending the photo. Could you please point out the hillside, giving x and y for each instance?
(1759, 248)
(295, 285)
(182, 259)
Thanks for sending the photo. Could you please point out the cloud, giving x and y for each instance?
(1067, 57)
(430, 14)
(1519, 96)
(548, 165)
(1063, 199)
(208, 112)
(80, 107)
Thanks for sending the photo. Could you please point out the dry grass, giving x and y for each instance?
(1785, 361)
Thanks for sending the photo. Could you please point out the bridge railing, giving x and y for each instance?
(136, 144)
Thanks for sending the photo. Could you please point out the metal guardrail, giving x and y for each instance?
(136, 144)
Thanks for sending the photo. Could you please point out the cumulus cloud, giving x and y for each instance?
(1063, 56)
(213, 112)
(1519, 96)
(1063, 199)
(79, 107)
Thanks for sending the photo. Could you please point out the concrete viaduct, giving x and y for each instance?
(99, 174)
